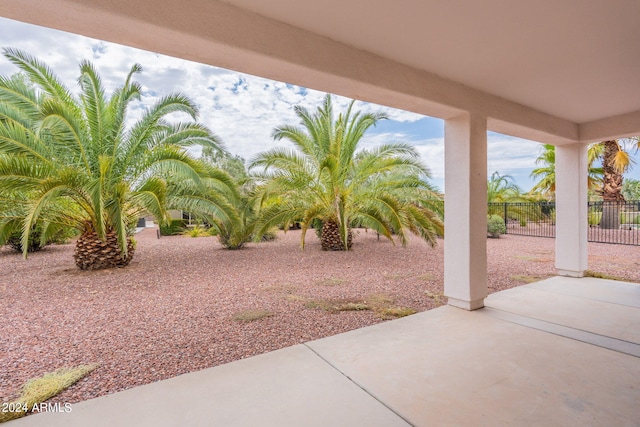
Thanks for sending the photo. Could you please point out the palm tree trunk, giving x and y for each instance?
(612, 197)
(93, 253)
(331, 240)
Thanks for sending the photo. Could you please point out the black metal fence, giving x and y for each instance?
(609, 222)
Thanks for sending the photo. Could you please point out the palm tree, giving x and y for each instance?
(56, 147)
(615, 162)
(505, 198)
(547, 170)
(326, 177)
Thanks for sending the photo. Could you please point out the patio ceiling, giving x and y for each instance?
(554, 71)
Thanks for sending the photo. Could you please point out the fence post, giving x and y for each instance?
(506, 221)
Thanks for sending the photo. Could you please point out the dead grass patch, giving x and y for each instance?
(284, 288)
(437, 297)
(331, 281)
(38, 390)
(599, 275)
(533, 259)
(524, 278)
(381, 304)
(396, 276)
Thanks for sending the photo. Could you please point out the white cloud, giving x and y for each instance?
(243, 110)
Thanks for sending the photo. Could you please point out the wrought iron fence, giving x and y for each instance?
(609, 222)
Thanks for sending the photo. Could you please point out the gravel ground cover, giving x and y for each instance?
(186, 304)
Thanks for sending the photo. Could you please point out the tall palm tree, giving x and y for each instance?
(326, 177)
(615, 162)
(56, 146)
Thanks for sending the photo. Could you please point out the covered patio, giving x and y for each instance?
(560, 352)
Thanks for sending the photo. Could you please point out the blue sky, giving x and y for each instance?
(243, 109)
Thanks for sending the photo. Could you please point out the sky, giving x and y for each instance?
(243, 109)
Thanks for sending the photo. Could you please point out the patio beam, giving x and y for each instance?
(571, 210)
(465, 255)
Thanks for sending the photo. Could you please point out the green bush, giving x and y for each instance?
(495, 226)
(629, 217)
(59, 236)
(594, 218)
(523, 222)
(173, 228)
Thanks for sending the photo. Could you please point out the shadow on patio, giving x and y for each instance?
(557, 352)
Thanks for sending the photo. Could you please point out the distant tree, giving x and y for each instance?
(233, 165)
(506, 198)
(631, 189)
(503, 188)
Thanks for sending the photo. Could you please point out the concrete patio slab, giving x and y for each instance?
(591, 288)
(288, 387)
(451, 367)
(520, 361)
(607, 308)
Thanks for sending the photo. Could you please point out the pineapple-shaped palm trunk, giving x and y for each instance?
(93, 253)
(331, 240)
(612, 197)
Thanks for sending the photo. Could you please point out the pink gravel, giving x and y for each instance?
(172, 310)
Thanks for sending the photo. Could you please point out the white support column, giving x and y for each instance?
(465, 243)
(571, 210)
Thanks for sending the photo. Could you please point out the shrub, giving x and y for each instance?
(59, 236)
(173, 228)
(495, 226)
(523, 222)
(197, 231)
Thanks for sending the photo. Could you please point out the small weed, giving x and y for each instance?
(533, 259)
(395, 312)
(353, 306)
(599, 275)
(294, 297)
(426, 277)
(397, 276)
(378, 300)
(337, 305)
(41, 389)
(526, 278)
(331, 281)
(252, 315)
(381, 304)
(438, 298)
(284, 288)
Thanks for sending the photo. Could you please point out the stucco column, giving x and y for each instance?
(571, 210)
(465, 242)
